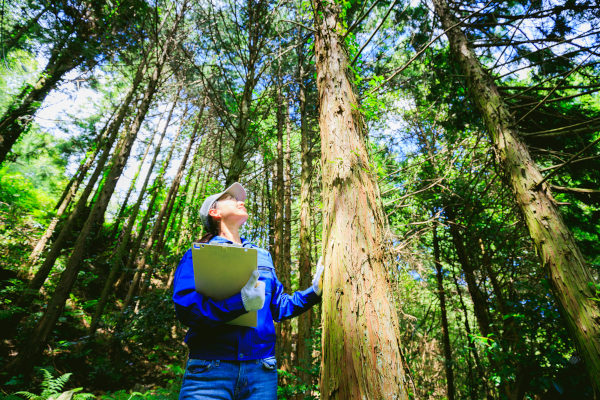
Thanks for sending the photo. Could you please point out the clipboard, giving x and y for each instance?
(222, 271)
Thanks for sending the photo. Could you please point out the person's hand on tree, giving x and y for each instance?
(253, 293)
(317, 282)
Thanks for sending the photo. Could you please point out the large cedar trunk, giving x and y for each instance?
(361, 341)
(560, 256)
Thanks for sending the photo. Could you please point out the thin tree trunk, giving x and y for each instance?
(480, 306)
(182, 232)
(445, 334)
(510, 339)
(305, 320)
(117, 258)
(361, 340)
(284, 271)
(570, 277)
(132, 185)
(471, 345)
(278, 249)
(156, 230)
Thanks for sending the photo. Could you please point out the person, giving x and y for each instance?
(230, 361)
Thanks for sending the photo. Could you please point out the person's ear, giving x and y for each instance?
(213, 212)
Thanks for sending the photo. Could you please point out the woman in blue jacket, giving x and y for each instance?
(230, 361)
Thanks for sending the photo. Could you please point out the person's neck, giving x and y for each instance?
(231, 233)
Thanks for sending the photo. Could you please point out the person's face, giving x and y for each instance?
(230, 211)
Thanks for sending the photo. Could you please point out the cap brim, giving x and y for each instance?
(236, 190)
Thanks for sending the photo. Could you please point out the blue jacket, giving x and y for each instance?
(209, 337)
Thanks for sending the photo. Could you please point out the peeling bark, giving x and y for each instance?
(361, 341)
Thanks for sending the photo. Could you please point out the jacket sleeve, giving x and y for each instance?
(285, 306)
(194, 309)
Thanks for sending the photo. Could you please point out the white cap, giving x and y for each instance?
(236, 190)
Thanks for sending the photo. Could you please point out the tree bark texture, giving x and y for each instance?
(360, 340)
(561, 258)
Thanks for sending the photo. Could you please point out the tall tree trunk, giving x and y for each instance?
(361, 340)
(117, 257)
(69, 193)
(132, 186)
(278, 249)
(561, 258)
(480, 303)
(445, 334)
(181, 232)
(140, 263)
(42, 274)
(480, 306)
(30, 353)
(256, 11)
(303, 348)
(20, 113)
(510, 340)
(284, 270)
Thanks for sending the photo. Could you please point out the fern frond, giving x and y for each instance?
(52, 386)
(28, 395)
(55, 386)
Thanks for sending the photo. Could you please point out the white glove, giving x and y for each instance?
(317, 282)
(253, 293)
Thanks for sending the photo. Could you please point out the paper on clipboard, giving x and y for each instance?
(222, 271)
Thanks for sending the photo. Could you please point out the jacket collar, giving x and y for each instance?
(220, 239)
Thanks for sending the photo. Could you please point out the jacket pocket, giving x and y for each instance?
(269, 363)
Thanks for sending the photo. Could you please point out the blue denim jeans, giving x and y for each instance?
(230, 380)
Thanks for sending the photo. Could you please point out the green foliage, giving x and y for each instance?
(52, 389)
